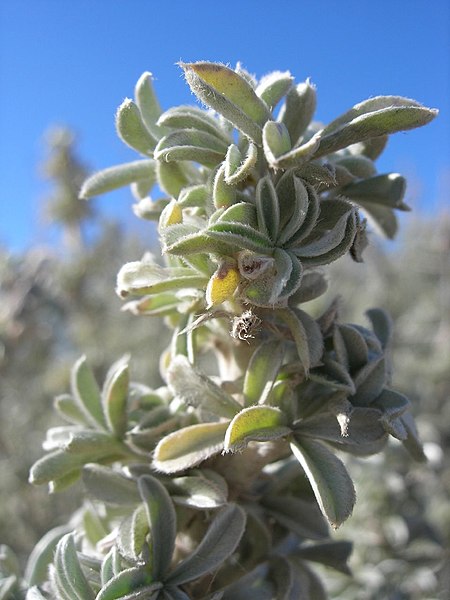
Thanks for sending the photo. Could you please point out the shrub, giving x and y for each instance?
(223, 482)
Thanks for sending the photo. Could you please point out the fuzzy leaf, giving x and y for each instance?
(109, 486)
(357, 354)
(297, 515)
(267, 208)
(382, 325)
(240, 235)
(191, 144)
(259, 423)
(86, 392)
(142, 277)
(131, 129)
(126, 582)
(273, 86)
(412, 442)
(329, 240)
(223, 194)
(228, 93)
(276, 141)
(132, 533)
(172, 177)
(148, 104)
(332, 554)
(329, 480)
(299, 210)
(262, 372)
(191, 117)
(55, 465)
(41, 556)
(114, 396)
(242, 212)
(369, 382)
(299, 109)
(196, 389)
(69, 575)
(299, 335)
(219, 542)
(313, 285)
(297, 156)
(237, 169)
(189, 446)
(200, 491)
(375, 117)
(69, 409)
(118, 176)
(162, 521)
(334, 375)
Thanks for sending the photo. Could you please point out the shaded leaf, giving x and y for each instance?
(128, 581)
(329, 480)
(262, 371)
(69, 575)
(109, 486)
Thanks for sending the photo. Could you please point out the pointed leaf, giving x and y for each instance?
(115, 395)
(162, 520)
(299, 109)
(189, 446)
(219, 542)
(148, 104)
(329, 480)
(86, 392)
(229, 94)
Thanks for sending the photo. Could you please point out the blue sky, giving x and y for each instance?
(73, 62)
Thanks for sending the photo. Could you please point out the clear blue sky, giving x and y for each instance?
(73, 61)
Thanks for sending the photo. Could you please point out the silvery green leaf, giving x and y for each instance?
(224, 195)
(329, 238)
(229, 94)
(118, 176)
(359, 166)
(286, 191)
(385, 190)
(299, 335)
(197, 389)
(337, 251)
(141, 188)
(172, 177)
(241, 236)
(296, 515)
(321, 177)
(182, 240)
(276, 141)
(145, 277)
(69, 575)
(333, 554)
(108, 485)
(193, 195)
(87, 393)
(158, 305)
(369, 382)
(300, 205)
(329, 480)
(273, 86)
(258, 423)
(299, 109)
(372, 148)
(34, 593)
(128, 581)
(313, 334)
(383, 218)
(132, 533)
(150, 210)
(69, 409)
(36, 571)
(115, 395)
(191, 117)
(297, 156)
(242, 212)
(131, 129)
(55, 465)
(219, 542)
(110, 566)
(375, 117)
(148, 105)
(295, 278)
(238, 168)
(189, 446)
(191, 144)
(284, 265)
(99, 443)
(267, 208)
(313, 285)
(200, 491)
(163, 524)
